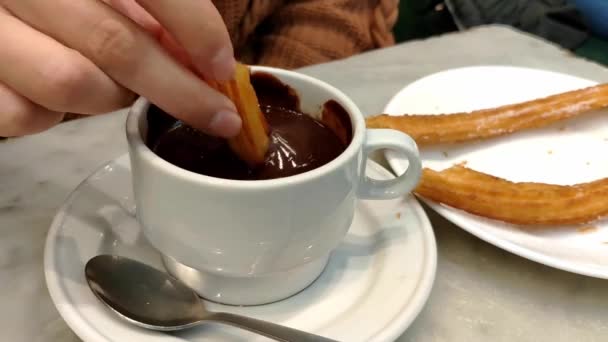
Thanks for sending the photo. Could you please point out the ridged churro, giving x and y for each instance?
(525, 203)
(251, 144)
(493, 122)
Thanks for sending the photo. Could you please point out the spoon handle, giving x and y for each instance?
(270, 330)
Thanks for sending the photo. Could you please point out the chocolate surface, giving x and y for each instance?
(298, 143)
(272, 92)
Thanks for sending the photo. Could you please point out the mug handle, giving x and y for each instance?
(387, 189)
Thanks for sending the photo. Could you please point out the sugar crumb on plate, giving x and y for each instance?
(398, 215)
(587, 229)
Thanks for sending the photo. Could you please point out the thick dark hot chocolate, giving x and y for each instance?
(298, 143)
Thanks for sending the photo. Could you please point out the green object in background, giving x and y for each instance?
(594, 49)
(420, 19)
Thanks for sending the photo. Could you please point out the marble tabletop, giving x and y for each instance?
(481, 293)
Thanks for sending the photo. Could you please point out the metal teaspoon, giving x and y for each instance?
(155, 300)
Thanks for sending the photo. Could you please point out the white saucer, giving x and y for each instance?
(565, 153)
(374, 286)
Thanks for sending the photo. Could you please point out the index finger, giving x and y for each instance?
(199, 28)
(138, 14)
(133, 58)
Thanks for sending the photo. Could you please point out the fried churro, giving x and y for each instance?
(251, 144)
(525, 203)
(493, 122)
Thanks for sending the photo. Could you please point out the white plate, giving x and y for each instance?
(566, 153)
(374, 286)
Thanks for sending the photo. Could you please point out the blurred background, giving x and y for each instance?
(580, 26)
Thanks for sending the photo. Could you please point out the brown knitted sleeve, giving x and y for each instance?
(305, 32)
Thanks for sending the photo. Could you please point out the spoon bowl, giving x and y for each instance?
(155, 300)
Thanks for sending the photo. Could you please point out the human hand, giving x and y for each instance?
(92, 57)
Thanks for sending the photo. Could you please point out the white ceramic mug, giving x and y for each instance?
(260, 241)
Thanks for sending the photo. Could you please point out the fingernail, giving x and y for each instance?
(226, 124)
(223, 65)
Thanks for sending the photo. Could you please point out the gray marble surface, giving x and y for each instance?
(481, 293)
